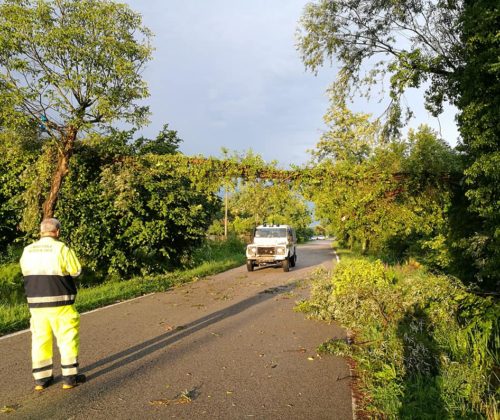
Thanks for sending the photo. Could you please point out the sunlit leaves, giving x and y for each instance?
(479, 123)
(350, 136)
(391, 198)
(126, 214)
(76, 62)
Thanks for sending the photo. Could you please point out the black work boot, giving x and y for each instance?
(41, 384)
(73, 380)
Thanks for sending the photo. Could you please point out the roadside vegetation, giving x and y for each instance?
(418, 281)
(421, 345)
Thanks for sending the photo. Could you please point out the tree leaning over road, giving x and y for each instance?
(452, 49)
(68, 66)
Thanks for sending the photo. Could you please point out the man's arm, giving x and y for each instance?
(72, 265)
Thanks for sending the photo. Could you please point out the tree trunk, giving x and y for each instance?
(225, 213)
(62, 169)
(365, 244)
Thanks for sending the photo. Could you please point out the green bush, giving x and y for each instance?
(133, 217)
(423, 343)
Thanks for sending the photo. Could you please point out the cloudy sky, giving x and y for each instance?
(226, 73)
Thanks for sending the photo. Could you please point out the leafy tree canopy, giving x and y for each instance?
(68, 65)
(350, 136)
(71, 63)
(479, 122)
(390, 198)
(165, 143)
(410, 42)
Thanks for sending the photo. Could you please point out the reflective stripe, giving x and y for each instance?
(69, 361)
(34, 271)
(49, 299)
(42, 363)
(69, 372)
(42, 375)
(43, 369)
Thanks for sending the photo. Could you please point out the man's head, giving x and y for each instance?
(50, 227)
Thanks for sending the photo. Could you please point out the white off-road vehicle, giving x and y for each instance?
(272, 244)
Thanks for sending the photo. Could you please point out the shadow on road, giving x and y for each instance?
(148, 347)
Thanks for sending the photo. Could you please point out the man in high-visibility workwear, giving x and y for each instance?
(49, 267)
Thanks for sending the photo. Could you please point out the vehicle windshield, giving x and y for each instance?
(270, 233)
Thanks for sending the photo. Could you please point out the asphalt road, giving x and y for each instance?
(225, 347)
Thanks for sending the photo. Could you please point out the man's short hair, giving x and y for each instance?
(50, 225)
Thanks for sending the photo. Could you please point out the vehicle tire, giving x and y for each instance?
(250, 265)
(286, 265)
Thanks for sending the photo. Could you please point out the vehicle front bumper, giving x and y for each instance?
(267, 255)
(267, 259)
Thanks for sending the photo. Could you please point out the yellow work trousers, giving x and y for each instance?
(64, 323)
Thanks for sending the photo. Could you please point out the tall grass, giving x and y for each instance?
(423, 345)
(213, 258)
(11, 283)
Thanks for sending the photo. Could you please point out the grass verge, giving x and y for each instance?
(422, 345)
(15, 316)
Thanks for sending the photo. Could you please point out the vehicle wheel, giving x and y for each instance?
(286, 264)
(249, 265)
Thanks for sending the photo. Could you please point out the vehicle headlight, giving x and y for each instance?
(252, 250)
(280, 250)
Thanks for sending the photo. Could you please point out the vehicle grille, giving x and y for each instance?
(265, 250)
